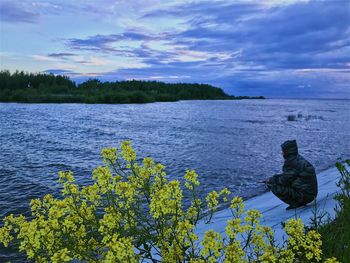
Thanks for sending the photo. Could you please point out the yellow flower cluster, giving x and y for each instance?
(166, 199)
(65, 177)
(109, 155)
(331, 260)
(61, 256)
(127, 151)
(191, 178)
(225, 194)
(304, 245)
(120, 249)
(212, 246)
(234, 227)
(234, 253)
(237, 206)
(212, 199)
(132, 212)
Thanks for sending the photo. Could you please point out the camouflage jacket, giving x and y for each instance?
(297, 172)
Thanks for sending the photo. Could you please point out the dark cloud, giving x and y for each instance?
(13, 12)
(97, 42)
(61, 55)
(104, 43)
(203, 12)
(290, 86)
(264, 47)
(278, 34)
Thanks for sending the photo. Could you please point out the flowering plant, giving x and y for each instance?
(132, 212)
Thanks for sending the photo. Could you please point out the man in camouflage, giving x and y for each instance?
(297, 185)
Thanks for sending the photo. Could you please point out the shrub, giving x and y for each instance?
(336, 234)
(132, 212)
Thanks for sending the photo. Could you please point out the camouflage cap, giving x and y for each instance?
(289, 147)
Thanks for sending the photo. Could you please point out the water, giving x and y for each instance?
(230, 144)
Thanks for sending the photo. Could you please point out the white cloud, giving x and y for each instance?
(43, 58)
(93, 61)
(169, 77)
(64, 66)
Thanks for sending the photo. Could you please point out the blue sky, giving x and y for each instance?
(275, 48)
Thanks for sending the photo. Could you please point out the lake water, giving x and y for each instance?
(230, 144)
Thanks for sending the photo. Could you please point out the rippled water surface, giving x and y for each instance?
(230, 144)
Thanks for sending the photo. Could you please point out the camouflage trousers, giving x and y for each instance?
(290, 195)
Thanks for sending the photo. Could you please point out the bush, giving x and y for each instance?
(336, 234)
(132, 212)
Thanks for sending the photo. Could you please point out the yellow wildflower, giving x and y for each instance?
(253, 216)
(109, 155)
(234, 253)
(127, 151)
(212, 199)
(212, 246)
(331, 260)
(191, 179)
(225, 193)
(66, 176)
(237, 206)
(61, 256)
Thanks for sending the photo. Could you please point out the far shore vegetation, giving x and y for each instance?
(49, 88)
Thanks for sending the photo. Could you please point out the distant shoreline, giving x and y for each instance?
(136, 103)
(23, 87)
(346, 99)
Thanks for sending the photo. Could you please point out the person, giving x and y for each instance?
(297, 185)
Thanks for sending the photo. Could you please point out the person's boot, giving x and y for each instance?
(290, 207)
(295, 206)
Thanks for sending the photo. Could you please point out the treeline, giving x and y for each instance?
(49, 88)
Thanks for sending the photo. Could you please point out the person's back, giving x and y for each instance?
(297, 185)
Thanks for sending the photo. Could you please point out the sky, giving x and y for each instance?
(274, 48)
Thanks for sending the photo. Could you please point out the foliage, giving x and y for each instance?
(336, 234)
(132, 212)
(47, 88)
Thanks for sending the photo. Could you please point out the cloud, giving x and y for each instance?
(275, 34)
(269, 44)
(94, 61)
(43, 58)
(163, 78)
(59, 71)
(6, 54)
(290, 35)
(246, 47)
(103, 43)
(30, 11)
(97, 42)
(13, 12)
(62, 55)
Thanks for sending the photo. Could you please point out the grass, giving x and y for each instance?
(336, 234)
(336, 237)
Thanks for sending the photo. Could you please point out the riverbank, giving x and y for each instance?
(274, 211)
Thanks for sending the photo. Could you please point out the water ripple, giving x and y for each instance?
(231, 144)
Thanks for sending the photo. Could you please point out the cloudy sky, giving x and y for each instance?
(275, 48)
